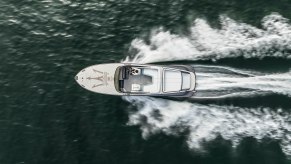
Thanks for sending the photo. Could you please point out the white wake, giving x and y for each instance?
(234, 39)
(221, 82)
(204, 123)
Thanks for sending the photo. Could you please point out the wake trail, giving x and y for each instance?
(204, 123)
(223, 82)
(234, 39)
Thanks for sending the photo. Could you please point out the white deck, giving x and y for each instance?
(154, 86)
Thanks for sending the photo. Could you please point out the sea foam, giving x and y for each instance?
(233, 39)
(204, 123)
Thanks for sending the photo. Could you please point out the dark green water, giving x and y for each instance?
(45, 117)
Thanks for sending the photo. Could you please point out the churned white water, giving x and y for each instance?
(218, 81)
(234, 39)
(204, 123)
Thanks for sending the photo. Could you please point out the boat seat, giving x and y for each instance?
(153, 87)
(121, 84)
(124, 73)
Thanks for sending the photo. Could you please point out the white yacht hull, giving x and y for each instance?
(138, 79)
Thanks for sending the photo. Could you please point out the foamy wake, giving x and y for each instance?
(234, 39)
(204, 123)
(217, 80)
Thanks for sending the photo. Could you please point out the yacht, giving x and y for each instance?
(128, 79)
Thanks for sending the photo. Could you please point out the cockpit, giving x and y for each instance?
(137, 79)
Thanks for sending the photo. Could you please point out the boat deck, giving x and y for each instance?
(140, 80)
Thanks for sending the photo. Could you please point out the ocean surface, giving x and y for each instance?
(241, 51)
